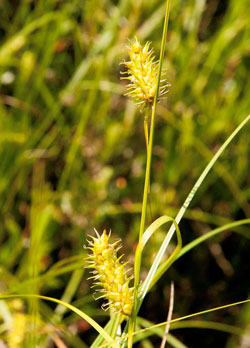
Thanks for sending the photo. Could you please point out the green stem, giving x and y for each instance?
(132, 321)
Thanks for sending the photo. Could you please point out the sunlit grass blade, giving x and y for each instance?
(153, 269)
(196, 324)
(147, 234)
(193, 315)
(172, 341)
(69, 292)
(108, 328)
(152, 328)
(145, 238)
(210, 325)
(163, 324)
(84, 316)
(115, 329)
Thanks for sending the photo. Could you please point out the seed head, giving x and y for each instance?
(142, 72)
(110, 274)
(17, 332)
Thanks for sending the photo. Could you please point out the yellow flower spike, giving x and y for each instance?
(142, 71)
(110, 274)
(17, 332)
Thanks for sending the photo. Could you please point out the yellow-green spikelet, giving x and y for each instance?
(110, 274)
(143, 73)
(17, 332)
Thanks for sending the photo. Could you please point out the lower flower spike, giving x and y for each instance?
(110, 274)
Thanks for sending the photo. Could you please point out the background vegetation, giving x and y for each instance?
(72, 157)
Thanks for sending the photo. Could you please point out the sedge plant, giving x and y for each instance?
(147, 84)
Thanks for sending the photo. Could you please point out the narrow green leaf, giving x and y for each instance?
(147, 234)
(190, 197)
(192, 315)
(99, 339)
(81, 314)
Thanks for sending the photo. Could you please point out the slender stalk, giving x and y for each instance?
(151, 138)
(146, 140)
(147, 175)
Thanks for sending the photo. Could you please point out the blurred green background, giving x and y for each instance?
(72, 157)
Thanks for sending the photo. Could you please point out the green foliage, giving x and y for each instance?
(72, 157)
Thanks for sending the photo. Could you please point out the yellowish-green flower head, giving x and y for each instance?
(110, 274)
(142, 72)
(18, 330)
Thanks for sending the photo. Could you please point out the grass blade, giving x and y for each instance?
(147, 234)
(99, 339)
(153, 327)
(190, 197)
(172, 341)
(84, 316)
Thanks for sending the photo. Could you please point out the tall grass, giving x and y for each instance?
(72, 158)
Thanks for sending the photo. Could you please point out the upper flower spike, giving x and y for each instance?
(142, 71)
